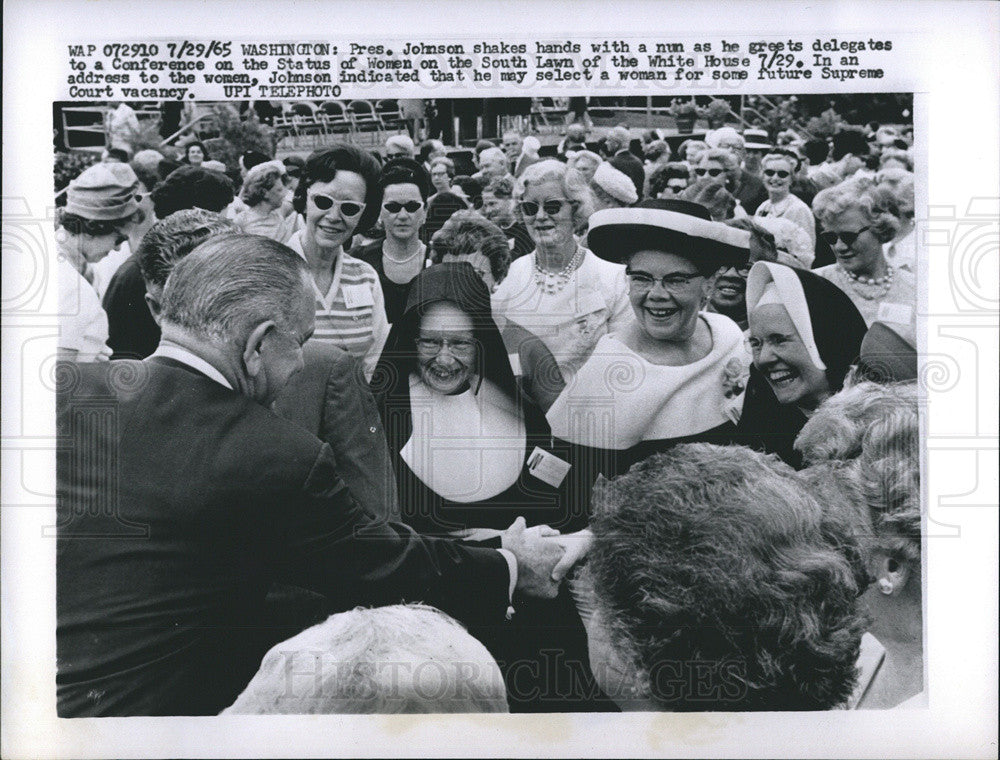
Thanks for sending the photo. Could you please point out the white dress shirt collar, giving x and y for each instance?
(184, 356)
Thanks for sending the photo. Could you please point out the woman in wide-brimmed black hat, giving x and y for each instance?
(674, 371)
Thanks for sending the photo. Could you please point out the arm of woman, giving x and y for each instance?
(380, 330)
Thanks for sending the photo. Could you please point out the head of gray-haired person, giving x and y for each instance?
(398, 659)
(170, 240)
(244, 304)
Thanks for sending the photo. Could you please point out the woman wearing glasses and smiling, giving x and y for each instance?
(338, 193)
(401, 255)
(857, 219)
(673, 373)
(561, 291)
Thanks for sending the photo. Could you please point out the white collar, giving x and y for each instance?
(184, 356)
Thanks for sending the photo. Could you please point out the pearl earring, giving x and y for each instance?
(885, 586)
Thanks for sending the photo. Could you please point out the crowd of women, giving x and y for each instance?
(697, 371)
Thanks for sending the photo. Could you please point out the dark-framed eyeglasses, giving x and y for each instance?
(431, 345)
(551, 207)
(347, 209)
(675, 282)
(713, 172)
(779, 173)
(394, 207)
(848, 238)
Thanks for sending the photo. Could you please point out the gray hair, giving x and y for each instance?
(173, 238)
(398, 659)
(722, 155)
(571, 181)
(260, 179)
(403, 142)
(230, 284)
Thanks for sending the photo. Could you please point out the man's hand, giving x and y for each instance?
(576, 546)
(536, 558)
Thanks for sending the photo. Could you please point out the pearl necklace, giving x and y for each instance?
(420, 249)
(884, 283)
(552, 282)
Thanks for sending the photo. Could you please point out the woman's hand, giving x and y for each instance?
(576, 546)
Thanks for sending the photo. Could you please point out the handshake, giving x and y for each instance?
(544, 556)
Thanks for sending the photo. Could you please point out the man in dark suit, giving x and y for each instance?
(181, 496)
(622, 159)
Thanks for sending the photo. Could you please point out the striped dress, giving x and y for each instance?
(351, 314)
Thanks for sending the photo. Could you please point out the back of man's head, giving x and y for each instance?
(232, 283)
(617, 139)
(173, 238)
(398, 659)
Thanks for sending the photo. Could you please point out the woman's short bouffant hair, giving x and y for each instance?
(719, 581)
(879, 207)
(323, 165)
(574, 186)
(260, 180)
(725, 157)
(405, 171)
(875, 427)
(663, 174)
(469, 231)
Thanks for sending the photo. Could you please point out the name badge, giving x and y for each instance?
(515, 364)
(547, 467)
(356, 296)
(899, 313)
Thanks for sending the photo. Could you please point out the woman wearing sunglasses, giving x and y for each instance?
(857, 220)
(778, 171)
(561, 291)
(675, 371)
(339, 193)
(401, 255)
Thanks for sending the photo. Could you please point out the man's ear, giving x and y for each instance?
(252, 359)
(153, 302)
(892, 575)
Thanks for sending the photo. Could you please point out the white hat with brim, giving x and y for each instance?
(671, 226)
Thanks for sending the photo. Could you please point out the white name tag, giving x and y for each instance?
(899, 313)
(515, 364)
(547, 467)
(356, 296)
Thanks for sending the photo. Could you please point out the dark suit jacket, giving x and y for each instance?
(179, 502)
(330, 398)
(627, 163)
(751, 192)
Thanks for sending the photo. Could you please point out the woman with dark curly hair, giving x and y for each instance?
(339, 192)
(195, 153)
(669, 180)
(868, 435)
(720, 584)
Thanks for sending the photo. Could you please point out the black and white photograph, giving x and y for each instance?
(569, 401)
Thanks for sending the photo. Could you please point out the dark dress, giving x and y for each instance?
(838, 329)
(523, 244)
(394, 293)
(543, 652)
